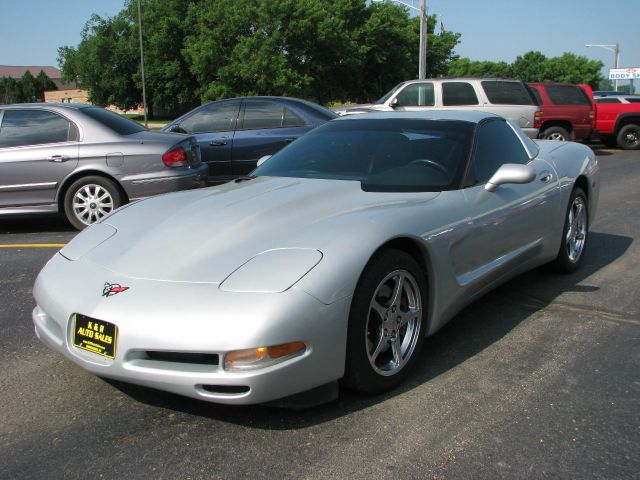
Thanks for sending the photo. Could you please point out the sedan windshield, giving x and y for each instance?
(388, 155)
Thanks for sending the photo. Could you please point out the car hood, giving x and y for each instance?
(204, 235)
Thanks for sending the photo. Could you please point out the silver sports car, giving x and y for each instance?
(331, 262)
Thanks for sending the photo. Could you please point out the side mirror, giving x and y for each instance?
(262, 160)
(176, 129)
(394, 103)
(510, 173)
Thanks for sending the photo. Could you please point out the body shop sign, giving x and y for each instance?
(624, 73)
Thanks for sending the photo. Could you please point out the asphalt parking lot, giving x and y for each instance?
(539, 379)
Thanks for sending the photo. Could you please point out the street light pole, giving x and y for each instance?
(422, 64)
(616, 51)
(144, 95)
(422, 60)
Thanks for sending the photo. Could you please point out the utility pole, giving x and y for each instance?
(144, 94)
(422, 65)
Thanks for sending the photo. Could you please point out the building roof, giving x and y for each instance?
(18, 71)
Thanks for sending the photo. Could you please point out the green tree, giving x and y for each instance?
(572, 68)
(29, 88)
(10, 91)
(105, 61)
(530, 67)
(44, 84)
(464, 67)
(196, 50)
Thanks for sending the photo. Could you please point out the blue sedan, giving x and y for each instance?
(234, 134)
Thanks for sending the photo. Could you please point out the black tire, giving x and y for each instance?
(556, 133)
(574, 233)
(628, 137)
(381, 353)
(89, 199)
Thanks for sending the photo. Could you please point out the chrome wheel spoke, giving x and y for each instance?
(397, 291)
(382, 343)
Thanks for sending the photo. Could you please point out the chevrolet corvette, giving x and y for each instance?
(327, 265)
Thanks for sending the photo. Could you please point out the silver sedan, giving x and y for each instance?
(331, 262)
(85, 161)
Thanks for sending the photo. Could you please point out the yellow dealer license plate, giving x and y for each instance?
(94, 335)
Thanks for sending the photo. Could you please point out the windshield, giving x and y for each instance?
(387, 95)
(388, 155)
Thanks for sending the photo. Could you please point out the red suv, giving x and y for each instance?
(567, 111)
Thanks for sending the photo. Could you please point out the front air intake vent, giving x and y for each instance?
(184, 357)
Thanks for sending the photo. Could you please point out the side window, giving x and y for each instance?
(212, 118)
(567, 95)
(458, 93)
(35, 127)
(608, 100)
(507, 92)
(291, 119)
(633, 100)
(417, 95)
(536, 95)
(262, 115)
(496, 144)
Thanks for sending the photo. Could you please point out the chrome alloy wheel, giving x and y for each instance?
(393, 322)
(92, 202)
(576, 229)
(556, 136)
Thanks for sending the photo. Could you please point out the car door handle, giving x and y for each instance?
(289, 140)
(58, 158)
(546, 177)
(219, 142)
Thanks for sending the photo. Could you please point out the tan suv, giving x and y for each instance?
(509, 98)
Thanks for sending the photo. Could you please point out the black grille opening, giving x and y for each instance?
(184, 357)
(226, 389)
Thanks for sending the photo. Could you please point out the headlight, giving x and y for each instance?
(273, 271)
(87, 240)
(261, 357)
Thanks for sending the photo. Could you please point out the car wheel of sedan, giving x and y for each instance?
(629, 137)
(556, 133)
(89, 199)
(386, 322)
(574, 235)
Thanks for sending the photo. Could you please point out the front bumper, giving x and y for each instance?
(181, 317)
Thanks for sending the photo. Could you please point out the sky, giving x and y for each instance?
(498, 30)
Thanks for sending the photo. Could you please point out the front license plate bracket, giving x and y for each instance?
(95, 336)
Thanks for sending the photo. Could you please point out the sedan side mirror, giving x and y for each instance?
(510, 173)
(176, 129)
(394, 103)
(261, 160)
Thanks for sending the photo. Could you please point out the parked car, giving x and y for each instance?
(234, 133)
(85, 161)
(618, 121)
(509, 98)
(332, 261)
(567, 111)
(617, 99)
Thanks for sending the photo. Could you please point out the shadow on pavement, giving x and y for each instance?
(35, 224)
(481, 324)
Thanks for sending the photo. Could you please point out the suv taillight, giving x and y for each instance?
(175, 158)
(537, 119)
